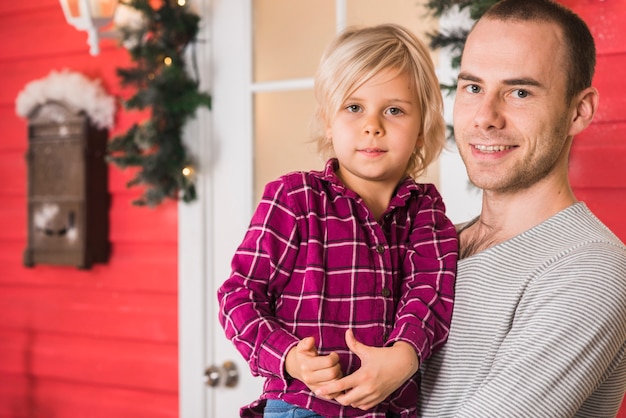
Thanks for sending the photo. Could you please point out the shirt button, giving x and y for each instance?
(386, 292)
(380, 249)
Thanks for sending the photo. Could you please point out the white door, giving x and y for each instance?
(256, 130)
(211, 227)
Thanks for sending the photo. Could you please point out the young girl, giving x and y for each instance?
(350, 271)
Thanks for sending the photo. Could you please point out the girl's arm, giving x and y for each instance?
(246, 298)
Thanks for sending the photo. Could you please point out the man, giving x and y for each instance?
(539, 322)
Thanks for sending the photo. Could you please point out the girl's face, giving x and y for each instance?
(376, 130)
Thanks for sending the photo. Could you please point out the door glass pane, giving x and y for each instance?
(281, 131)
(410, 13)
(290, 36)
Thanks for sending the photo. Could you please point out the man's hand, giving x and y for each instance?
(303, 363)
(382, 371)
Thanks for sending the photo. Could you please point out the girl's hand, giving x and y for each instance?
(303, 363)
(382, 371)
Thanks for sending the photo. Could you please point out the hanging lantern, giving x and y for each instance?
(90, 16)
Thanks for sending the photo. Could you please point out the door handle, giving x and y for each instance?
(227, 373)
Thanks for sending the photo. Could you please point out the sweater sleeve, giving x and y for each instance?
(245, 301)
(566, 343)
(427, 289)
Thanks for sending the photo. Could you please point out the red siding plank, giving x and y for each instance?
(143, 224)
(119, 178)
(609, 76)
(94, 313)
(31, 397)
(13, 172)
(598, 166)
(609, 205)
(602, 134)
(15, 134)
(145, 267)
(138, 276)
(13, 210)
(605, 20)
(26, 6)
(597, 158)
(122, 364)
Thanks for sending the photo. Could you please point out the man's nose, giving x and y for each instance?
(489, 113)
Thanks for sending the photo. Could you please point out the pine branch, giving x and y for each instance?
(163, 85)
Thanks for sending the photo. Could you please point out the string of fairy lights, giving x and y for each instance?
(163, 84)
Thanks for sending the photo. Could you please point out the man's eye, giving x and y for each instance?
(353, 108)
(472, 88)
(520, 94)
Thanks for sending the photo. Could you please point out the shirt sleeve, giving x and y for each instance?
(427, 289)
(264, 258)
(567, 340)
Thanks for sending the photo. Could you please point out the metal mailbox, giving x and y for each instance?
(68, 199)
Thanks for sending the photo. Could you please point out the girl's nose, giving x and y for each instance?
(373, 126)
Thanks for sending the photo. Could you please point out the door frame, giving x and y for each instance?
(211, 227)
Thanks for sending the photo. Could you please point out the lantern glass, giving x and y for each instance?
(103, 8)
(72, 6)
(95, 9)
(89, 15)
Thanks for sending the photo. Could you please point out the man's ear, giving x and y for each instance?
(585, 106)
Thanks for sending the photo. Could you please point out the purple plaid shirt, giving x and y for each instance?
(314, 262)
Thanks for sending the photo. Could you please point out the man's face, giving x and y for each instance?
(511, 118)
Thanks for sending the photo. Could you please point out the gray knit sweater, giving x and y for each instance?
(538, 329)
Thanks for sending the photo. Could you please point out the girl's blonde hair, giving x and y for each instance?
(358, 54)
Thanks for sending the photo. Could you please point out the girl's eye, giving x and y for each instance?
(520, 94)
(353, 108)
(394, 111)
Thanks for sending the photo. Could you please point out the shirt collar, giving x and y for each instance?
(405, 189)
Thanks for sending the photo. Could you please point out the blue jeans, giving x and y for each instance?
(280, 409)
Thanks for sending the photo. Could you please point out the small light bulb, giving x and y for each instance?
(181, 2)
(167, 61)
(187, 171)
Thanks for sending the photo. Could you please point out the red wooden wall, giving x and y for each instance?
(598, 163)
(103, 342)
(94, 343)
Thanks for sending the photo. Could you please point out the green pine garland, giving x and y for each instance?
(163, 85)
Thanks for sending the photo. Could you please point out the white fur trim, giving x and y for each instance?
(72, 88)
